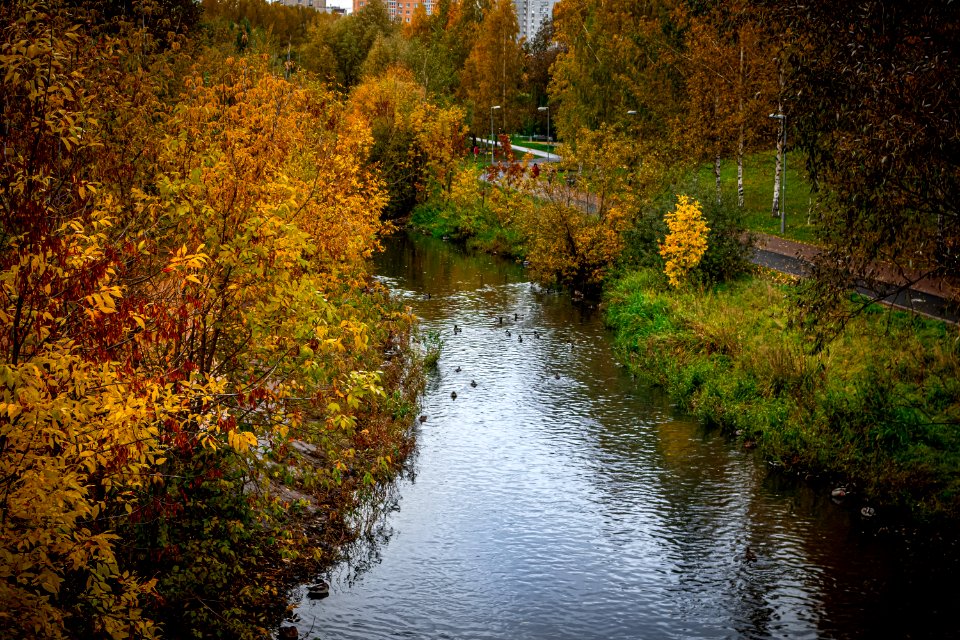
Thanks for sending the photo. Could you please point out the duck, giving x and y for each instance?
(556, 376)
(520, 338)
(318, 591)
(453, 395)
(458, 369)
(536, 335)
(508, 333)
(456, 329)
(473, 383)
(423, 419)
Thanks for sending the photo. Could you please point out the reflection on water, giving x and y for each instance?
(558, 499)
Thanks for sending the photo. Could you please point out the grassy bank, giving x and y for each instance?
(524, 141)
(476, 226)
(877, 411)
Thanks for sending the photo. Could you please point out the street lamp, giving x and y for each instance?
(783, 169)
(547, 109)
(493, 141)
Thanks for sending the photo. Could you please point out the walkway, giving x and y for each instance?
(928, 296)
(537, 153)
(931, 297)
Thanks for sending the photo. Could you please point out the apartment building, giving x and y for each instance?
(318, 5)
(531, 14)
(399, 9)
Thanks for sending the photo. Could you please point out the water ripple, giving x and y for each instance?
(556, 499)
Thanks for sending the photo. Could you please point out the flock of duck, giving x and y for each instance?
(499, 322)
(457, 329)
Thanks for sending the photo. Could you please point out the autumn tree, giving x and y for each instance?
(565, 243)
(184, 240)
(342, 44)
(416, 143)
(79, 431)
(574, 229)
(686, 240)
(539, 55)
(439, 44)
(874, 102)
(492, 72)
(612, 62)
(729, 81)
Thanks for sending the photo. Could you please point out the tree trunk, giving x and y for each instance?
(740, 169)
(740, 138)
(716, 173)
(775, 211)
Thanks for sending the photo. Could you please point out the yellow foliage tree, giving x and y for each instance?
(686, 243)
(415, 142)
(182, 285)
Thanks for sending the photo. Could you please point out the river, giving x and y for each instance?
(559, 498)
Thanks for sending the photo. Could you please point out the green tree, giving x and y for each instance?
(613, 61)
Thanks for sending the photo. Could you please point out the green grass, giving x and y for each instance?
(879, 408)
(476, 227)
(524, 141)
(758, 171)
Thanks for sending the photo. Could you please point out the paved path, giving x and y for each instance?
(929, 296)
(537, 153)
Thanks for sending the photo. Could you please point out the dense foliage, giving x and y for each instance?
(185, 298)
(195, 359)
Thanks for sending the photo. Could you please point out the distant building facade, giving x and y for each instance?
(531, 14)
(318, 5)
(399, 9)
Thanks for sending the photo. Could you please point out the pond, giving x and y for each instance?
(559, 498)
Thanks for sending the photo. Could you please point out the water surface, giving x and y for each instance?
(558, 498)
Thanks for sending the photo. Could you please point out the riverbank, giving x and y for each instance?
(476, 226)
(874, 413)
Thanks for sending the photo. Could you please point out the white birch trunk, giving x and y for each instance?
(740, 170)
(716, 173)
(740, 138)
(775, 210)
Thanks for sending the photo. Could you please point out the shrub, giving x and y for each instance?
(686, 242)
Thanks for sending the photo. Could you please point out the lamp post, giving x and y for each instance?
(493, 141)
(783, 178)
(547, 109)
